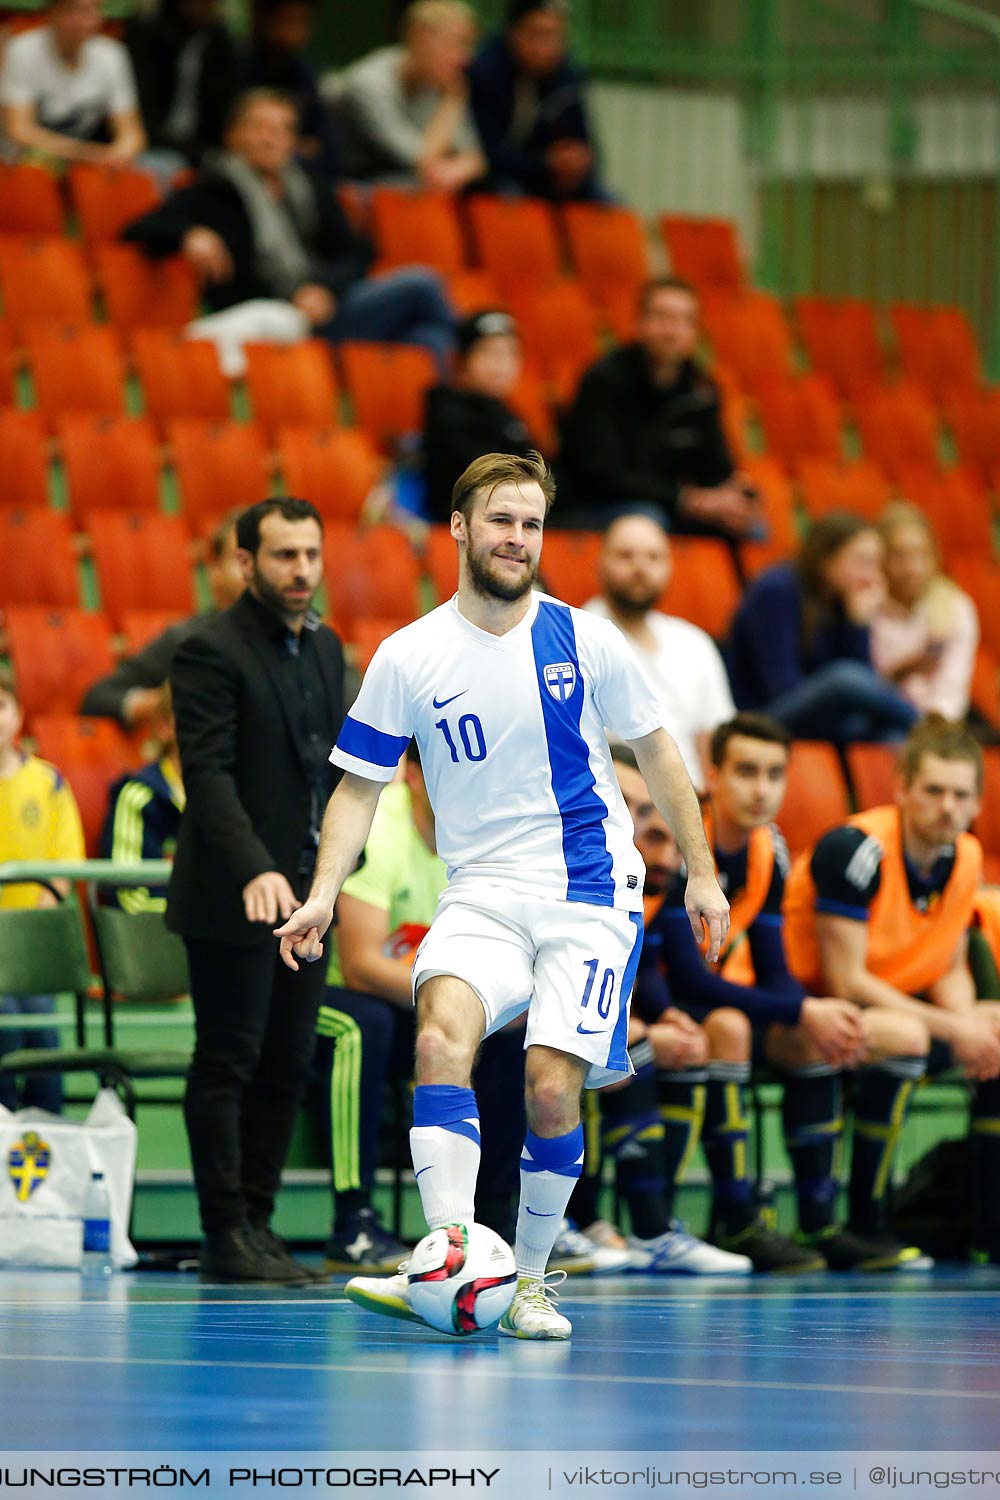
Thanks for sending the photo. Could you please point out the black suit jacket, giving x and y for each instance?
(339, 257)
(248, 791)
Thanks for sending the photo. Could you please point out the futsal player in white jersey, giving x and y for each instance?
(508, 693)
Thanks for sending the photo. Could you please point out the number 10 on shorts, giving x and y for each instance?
(606, 992)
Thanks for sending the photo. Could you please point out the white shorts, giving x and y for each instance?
(570, 966)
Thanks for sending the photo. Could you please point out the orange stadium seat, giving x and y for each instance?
(979, 574)
(106, 199)
(413, 228)
(334, 468)
(748, 334)
(899, 428)
(704, 588)
(24, 462)
(705, 252)
(110, 463)
(57, 655)
(974, 420)
(43, 280)
(986, 686)
(956, 505)
(441, 561)
(216, 460)
(609, 250)
(30, 201)
(559, 333)
(37, 560)
(91, 754)
(8, 366)
(515, 240)
(775, 489)
(800, 417)
(292, 383)
(180, 377)
(532, 405)
(143, 561)
(872, 769)
(368, 633)
(860, 487)
(140, 626)
(987, 825)
(937, 347)
(816, 799)
(139, 292)
(842, 341)
(387, 384)
(369, 574)
(76, 370)
(569, 565)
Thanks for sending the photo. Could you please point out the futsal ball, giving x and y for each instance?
(462, 1278)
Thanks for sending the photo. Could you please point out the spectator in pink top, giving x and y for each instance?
(924, 637)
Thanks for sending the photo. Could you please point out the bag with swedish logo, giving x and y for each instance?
(45, 1166)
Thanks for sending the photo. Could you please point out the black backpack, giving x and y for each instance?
(935, 1205)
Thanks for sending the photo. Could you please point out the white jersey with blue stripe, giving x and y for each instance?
(511, 732)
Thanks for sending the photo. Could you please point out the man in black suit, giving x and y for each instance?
(258, 697)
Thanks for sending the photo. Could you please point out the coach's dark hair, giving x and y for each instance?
(948, 739)
(493, 469)
(286, 506)
(753, 727)
(665, 284)
(826, 537)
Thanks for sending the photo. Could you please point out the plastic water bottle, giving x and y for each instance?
(97, 1228)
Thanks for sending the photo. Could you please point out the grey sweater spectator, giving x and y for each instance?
(646, 429)
(68, 93)
(403, 110)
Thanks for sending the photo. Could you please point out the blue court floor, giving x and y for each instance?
(149, 1361)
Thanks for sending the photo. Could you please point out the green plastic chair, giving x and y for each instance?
(144, 963)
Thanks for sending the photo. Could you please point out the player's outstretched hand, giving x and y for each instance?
(707, 907)
(302, 935)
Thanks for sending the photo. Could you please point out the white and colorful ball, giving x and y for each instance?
(462, 1278)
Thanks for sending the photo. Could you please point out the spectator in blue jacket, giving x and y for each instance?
(528, 104)
(800, 643)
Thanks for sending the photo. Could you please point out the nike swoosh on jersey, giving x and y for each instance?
(445, 701)
(588, 1031)
(535, 1215)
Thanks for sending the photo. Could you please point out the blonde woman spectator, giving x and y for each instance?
(925, 635)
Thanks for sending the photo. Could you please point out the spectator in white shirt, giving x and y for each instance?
(404, 111)
(680, 661)
(68, 93)
(925, 635)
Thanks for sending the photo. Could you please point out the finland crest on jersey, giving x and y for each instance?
(511, 732)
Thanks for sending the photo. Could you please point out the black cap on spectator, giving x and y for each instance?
(487, 324)
(517, 9)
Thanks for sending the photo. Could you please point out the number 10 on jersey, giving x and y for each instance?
(470, 732)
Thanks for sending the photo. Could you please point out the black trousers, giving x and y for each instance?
(254, 1035)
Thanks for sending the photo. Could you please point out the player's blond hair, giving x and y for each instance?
(432, 15)
(484, 475)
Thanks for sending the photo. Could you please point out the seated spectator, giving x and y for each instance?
(68, 93)
(366, 1029)
(645, 430)
(680, 661)
(924, 637)
(278, 59)
(469, 415)
(39, 820)
(403, 110)
(879, 912)
(529, 107)
(144, 811)
(800, 647)
(133, 690)
(257, 224)
(186, 69)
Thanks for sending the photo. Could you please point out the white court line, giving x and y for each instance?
(491, 1371)
(662, 1300)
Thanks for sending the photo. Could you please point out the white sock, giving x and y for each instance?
(444, 1145)
(550, 1169)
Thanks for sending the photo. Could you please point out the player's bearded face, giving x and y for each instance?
(499, 570)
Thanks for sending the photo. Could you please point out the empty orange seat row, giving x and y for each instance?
(104, 200)
(91, 754)
(705, 252)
